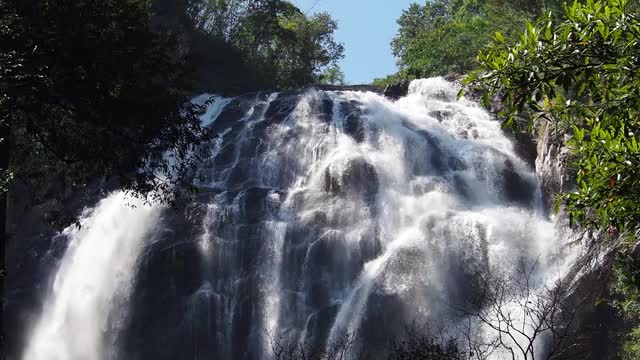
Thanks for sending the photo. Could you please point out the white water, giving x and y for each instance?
(403, 213)
(428, 230)
(88, 301)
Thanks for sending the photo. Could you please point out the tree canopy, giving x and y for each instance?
(95, 89)
(583, 74)
(91, 90)
(444, 36)
(248, 45)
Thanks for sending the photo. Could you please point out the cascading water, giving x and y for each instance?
(87, 305)
(321, 213)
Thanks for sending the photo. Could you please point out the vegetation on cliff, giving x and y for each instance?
(581, 73)
(235, 46)
(574, 66)
(95, 89)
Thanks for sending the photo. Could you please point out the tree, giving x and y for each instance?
(220, 18)
(415, 344)
(582, 74)
(332, 75)
(519, 313)
(289, 46)
(92, 89)
(91, 92)
(625, 286)
(444, 36)
(280, 46)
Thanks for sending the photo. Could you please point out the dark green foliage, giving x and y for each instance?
(439, 37)
(94, 89)
(91, 91)
(289, 47)
(583, 75)
(213, 64)
(243, 45)
(626, 286)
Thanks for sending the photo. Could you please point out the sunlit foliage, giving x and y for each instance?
(444, 36)
(583, 74)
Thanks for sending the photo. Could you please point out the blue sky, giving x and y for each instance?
(366, 28)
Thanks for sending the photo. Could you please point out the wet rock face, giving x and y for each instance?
(516, 188)
(435, 153)
(397, 90)
(552, 164)
(283, 105)
(525, 146)
(200, 289)
(327, 267)
(319, 324)
(353, 122)
(356, 177)
(322, 106)
(236, 110)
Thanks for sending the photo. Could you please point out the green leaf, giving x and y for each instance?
(557, 203)
(548, 34)
(530, 28)
(578, 133)
(486, 100)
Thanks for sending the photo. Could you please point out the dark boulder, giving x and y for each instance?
(235, 110)
(282, 106)
(397, 90)
(322, 106)
(358, 177)
(352, 123)
(516, 188)
(319, 325)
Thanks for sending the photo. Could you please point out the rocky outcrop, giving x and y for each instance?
(397, 90)
(551, 163)
(598, 325)
(356, 177)
(369, 88)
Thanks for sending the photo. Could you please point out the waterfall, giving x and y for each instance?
(87, 304)
(320, 213)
